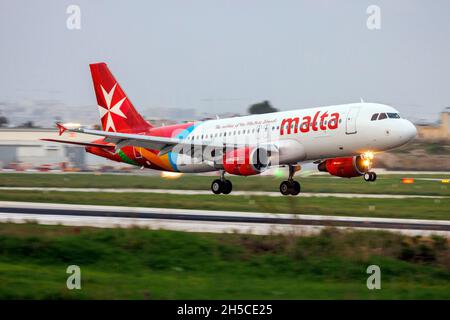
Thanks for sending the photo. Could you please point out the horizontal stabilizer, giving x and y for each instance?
(87, 144)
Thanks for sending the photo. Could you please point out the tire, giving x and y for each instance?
(295, 188)
(368, 176)
(374, 176)
(285, 188)
(227, 187)
(217, 186)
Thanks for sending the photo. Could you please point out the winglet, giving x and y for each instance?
(61, 128)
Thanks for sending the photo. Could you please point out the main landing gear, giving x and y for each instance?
(290, 186)
(370, 176)
(221, 185)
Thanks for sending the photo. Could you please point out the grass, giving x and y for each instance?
(389, 184)
(144, 264)
(416, 208)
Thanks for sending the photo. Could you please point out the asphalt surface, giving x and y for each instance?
(234, 193)
(201, 220)
(245, 219)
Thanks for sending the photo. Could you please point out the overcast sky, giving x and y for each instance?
(218, 56)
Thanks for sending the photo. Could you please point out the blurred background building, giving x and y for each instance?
(22, 149)
(435, 131)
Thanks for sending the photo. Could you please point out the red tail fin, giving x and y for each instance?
(117, 113)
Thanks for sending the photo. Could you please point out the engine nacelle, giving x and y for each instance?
(345, 167)
(246, 161)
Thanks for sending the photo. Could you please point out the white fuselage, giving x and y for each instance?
(307, 134)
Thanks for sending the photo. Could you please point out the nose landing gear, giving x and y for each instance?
(367, 163)
(221, 185)
(290, 187)
(370, 176)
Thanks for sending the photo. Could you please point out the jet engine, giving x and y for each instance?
(346, 167)
(246, 161)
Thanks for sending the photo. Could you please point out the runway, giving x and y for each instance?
(205, 221)
(234, 193)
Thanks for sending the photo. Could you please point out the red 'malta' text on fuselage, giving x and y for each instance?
(322, 122)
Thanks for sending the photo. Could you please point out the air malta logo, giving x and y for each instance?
(318, 122)
(108, 110)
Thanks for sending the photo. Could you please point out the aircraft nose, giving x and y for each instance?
(409, 131)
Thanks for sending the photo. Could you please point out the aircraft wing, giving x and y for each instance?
(163, 144)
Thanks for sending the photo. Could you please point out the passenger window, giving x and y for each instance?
(382, 116)
(393, 116)
(374, 117)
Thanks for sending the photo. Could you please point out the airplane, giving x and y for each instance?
(340, 139)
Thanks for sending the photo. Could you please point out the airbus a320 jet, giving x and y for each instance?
(340, 139)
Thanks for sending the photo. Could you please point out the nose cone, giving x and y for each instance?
(408, 131)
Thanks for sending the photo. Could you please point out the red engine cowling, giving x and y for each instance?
(246, 161)
(345, 167)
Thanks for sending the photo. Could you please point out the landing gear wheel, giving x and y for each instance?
(217, 186)
(290, 186)
(285, 188)
(227, 187)
(295, 188)
(370, 176)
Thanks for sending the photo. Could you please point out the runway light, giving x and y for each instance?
(445, 180)
(407, 180)
(170, 175)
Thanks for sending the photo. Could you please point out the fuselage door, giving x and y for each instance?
(351, 120)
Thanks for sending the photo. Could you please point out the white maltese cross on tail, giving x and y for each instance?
(108, 110)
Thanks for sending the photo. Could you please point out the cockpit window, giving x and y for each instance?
(382, 116)
(374, 117)
(393, 116)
